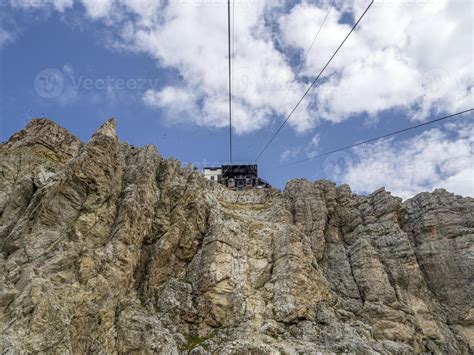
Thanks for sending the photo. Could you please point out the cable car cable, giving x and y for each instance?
(313, 83)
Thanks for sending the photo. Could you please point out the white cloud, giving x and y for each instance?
(98, 8)
(58, 5)
(290, 154)
(315, 140)
(68, 70)
(6, 37)
(416, 56)
(402, 56)
(313, 145)
(147, 10)
(435, 158)
(70, 93)
(10, 29)
(382, 66)
(178, 101)
(199, 50)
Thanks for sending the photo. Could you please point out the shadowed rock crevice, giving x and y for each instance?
(110, 248)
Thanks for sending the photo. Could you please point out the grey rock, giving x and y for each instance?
(109, 248)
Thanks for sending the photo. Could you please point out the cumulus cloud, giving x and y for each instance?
(98, 8)
(308, 150)
(402, 56)
(313, 145)
(290, 154)
(315, 140)
(175, 34)
(415, 56)
(11, 29)
(58, 5)
(146, 10)
(435, 158)
(178, 101)
(199, 50)
(6, 37)
(70, 93)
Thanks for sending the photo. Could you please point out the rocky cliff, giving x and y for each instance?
(109, 248)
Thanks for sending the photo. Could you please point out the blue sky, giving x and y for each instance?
(159, 68)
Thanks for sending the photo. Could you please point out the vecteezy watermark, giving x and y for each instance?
(49, 83)
(109, 82)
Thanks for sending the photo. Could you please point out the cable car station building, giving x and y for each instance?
(236, 177)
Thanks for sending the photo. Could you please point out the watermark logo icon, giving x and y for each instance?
(49, 83)
(337, 164)
(436, 81)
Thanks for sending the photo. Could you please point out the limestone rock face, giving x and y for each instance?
(108, 248)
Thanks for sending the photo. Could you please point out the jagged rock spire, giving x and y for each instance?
(107, 129)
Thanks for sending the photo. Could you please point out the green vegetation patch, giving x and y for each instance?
(192, 342)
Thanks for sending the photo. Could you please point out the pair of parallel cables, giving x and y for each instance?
(309, 89)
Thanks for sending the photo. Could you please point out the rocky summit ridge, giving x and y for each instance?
(108, 248)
